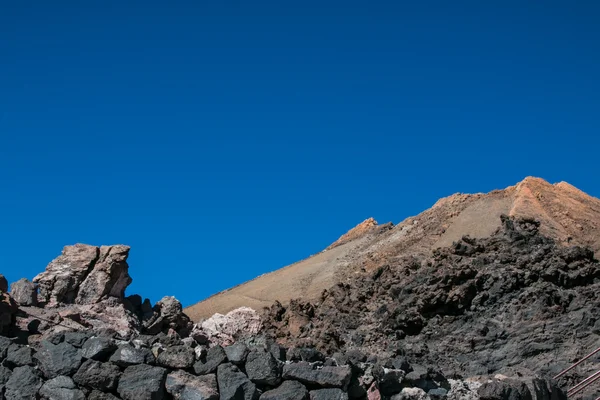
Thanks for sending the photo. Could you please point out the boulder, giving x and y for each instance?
(18, 355)
(237, 353)
(76, 339)
(214, 357)
(4, 345)
(127, 355)
(328, 394)
(177, 357)
(325, 377)
(234, 385)
(23, 384)
(84, 274)
(504, 390)
(262, 368)
(411, 394)
(184, 386)
(97, 375)
(225, 329)
(24, 292)
(3, 284)
(288, 390)
(142, 382)
(59, 359)
(61, 388)
(98, 348)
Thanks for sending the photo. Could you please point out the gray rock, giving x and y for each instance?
(18, 356)
(5, 374)
(97, 375)
(504, 390)
(142, 382)
(177, 357)
(438, 394)
(4, 345)
(61, 388)
(24, 292)
(215, 356)
(98, 348)
(234, 385)
(237, 353)
(76, 339)
(23, 384)
(98, 395)
(184, 386)
(390, 382)
(262, 368)
(289, 390)
(127, 355)
(325, 377)
(328, 394)
(60, 359)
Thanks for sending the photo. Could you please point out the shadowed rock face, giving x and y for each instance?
(567, 215)
(84, 274)
(506, 304)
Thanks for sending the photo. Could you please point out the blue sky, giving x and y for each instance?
(225, 139)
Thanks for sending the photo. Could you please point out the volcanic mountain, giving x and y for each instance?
(566, 214)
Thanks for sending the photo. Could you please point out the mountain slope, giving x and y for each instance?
(566, 214)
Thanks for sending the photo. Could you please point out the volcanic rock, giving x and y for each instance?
(98, 375)
(98, 348)
(60, 359)
(288, 390)
(326, 377)
(234, 385)
(24, 292)
(61, 388)
(184, 386)
(262, 368)
(142, 382)
(177, 357)
(214, 357)
(127, 355)
(23, 384)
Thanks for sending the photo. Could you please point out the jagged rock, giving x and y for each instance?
(262, 368)
(127, 355)
(61, 388)
(237, 353)
(98, 395)
(98, 348)
(328, 394)
(5, 343)
(214, 357)
(18, 356)
(4, 377)
(390, 381)
(24, 292)
(325, 377)
(234, 385)
(184, 386)
(98, 375)
(437, 394)
(142, 382)
(60, 359)
(76, 339)
(288, 390)
(8, 309)
(224, 329)
(84, 274)
(504, 390)
(23, 384)
(3, 284)
(411, 394)
(177, 357)
(464, 390)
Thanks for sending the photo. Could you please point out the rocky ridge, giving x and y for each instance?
(73, 334)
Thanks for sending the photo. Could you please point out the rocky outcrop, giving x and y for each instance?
(24, 292)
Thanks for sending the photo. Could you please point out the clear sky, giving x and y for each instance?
(224, 139)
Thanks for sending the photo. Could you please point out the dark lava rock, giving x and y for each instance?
(60, 359)
(98, 395)
(127, 355)
(215, 356)
(288, 390)
(4, 345)
(308, 354)
(3, 284)
(328, 394)
(97, 375)
(18, 356)
(504, 390)
(98, 348)
(24, 292)
(237, 353)
(177, 357)
(390, 381)
(184, 386)
(262, 368)
(76, 339)
(438, 394)
(61, 388)
(23, 384)
(142, 382)
(325, 377)
(234, 385)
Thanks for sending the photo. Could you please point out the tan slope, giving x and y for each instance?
(567, 214)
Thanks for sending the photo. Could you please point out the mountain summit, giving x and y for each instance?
(567, 215)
